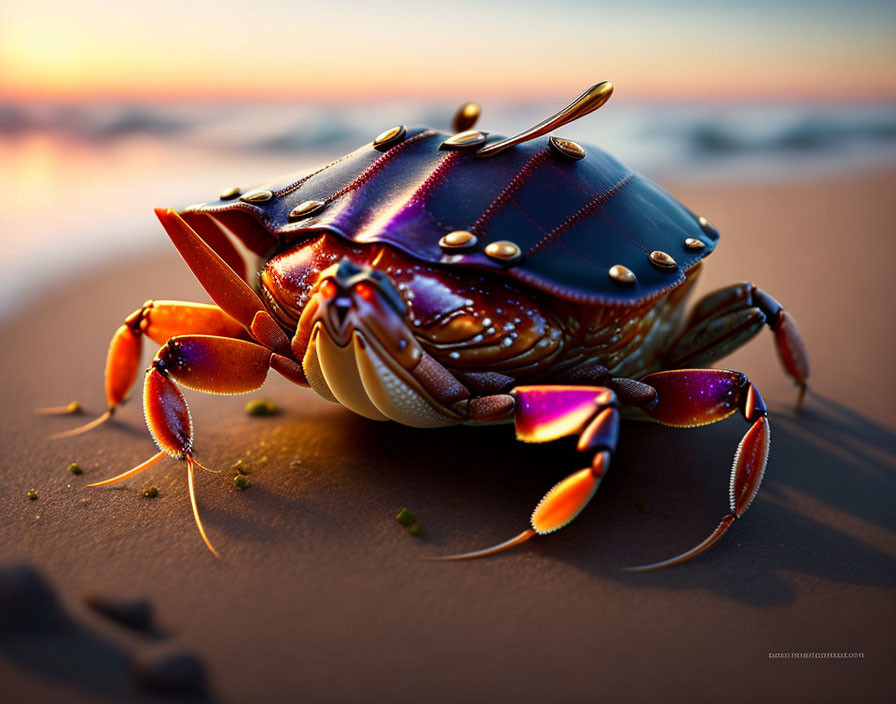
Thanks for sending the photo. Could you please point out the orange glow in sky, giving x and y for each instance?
(342, 50)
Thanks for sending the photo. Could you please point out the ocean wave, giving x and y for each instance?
(807, 134)
(655, 138)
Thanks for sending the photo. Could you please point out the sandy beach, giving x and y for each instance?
(321, 596)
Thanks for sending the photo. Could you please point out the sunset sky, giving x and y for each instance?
(335, 49)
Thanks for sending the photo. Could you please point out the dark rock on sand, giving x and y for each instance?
(133, 613)
(168, 669)
(27, 602)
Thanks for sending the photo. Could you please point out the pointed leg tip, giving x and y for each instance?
(133, 471)
(640, 568)
(84, 428)
(68, 409)
(720, 530)
(500, 547)
(190, 463)
(191, 459)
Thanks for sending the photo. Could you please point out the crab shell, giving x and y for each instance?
(561, 223)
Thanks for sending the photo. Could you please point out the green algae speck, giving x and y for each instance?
(406, 517)
(261, 407)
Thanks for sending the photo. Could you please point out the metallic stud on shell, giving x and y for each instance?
(568, 148)
(459, 239)
(261, 196)
(465, 117)
(708, 227)
(305, 209)
(693, 244)
(230, 193)
(622, 274)
(464, 140)
(389, 137)
(504, 250)
(663, 261)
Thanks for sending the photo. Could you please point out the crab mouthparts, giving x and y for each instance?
(339, 310)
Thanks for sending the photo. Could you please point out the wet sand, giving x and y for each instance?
(321, 595)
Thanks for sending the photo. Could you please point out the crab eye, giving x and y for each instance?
(365, 291)
(328, 289)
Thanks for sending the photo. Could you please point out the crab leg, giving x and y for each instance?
(239, 314)
(724, 320)
(159, 321)
(206, 363)
(691, 397)
(545, 413)
(681, 398)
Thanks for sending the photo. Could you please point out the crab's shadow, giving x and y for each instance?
(823, 510)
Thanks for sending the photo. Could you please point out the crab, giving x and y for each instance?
(438, 279)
